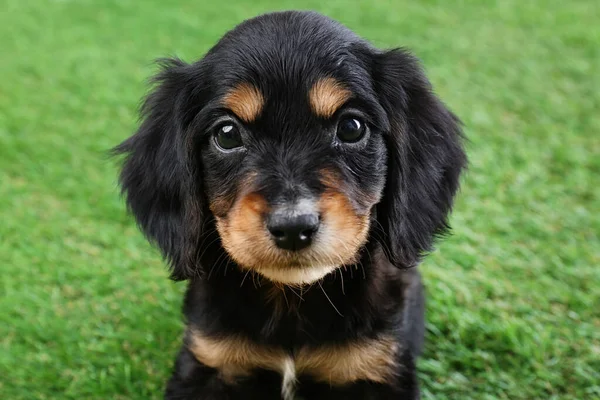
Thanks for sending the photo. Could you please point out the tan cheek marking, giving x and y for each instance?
(246, 218)
(233, 355)
(242, 232)
(245, 101)
(254, 203)
(350, 230)
(326, 96)
(373, 360)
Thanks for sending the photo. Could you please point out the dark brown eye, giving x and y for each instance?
(350, 130)
(228, 137)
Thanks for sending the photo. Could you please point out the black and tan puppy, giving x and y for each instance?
(294, 176)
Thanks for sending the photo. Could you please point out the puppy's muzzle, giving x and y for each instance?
(293, 228)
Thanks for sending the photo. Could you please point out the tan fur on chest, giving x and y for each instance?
(368, 359)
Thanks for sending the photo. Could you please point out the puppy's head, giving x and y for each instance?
(298, 142)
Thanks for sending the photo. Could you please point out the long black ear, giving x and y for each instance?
(425, 158)
(157, 178)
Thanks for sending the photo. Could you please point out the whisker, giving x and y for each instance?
(330, 302)
(340, 264)
(226, 265)
(285, 297)
(207, 246)
(244, 278)
(296, 293)
(379, 233)
(363, 270)
(218, 263)
(213, 267)
(254, 280)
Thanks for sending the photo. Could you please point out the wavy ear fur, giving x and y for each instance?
(157, 177)
(425, 158)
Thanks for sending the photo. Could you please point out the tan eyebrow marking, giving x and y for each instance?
(326, 96)
(245, 101)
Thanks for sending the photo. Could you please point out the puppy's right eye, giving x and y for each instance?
(228, 137)
(351, 130)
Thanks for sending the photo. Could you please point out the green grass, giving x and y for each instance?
(86, 309)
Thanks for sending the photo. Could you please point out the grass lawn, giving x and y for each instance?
(86, 309)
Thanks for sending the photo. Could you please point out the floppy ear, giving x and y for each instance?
(159, 182)
(425, 158)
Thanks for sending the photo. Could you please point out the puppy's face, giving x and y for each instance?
(297, 136)
(292, 169)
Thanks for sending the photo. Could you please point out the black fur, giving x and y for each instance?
(413, 158)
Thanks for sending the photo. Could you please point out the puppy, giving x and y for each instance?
(295, 176)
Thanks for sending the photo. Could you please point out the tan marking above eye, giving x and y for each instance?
(245, 101)
(234, 356)
(326, 96)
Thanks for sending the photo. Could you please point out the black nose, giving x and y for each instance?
(293, 231)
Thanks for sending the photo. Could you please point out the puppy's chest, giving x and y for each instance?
(371, 359)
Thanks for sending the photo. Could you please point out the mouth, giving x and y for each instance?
(295, 274)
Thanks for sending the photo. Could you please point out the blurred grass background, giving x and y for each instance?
(86, 309)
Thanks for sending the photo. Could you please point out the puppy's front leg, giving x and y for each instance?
(192, 380)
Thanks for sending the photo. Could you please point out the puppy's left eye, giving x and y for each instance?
(350, 130)
(228, 137)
